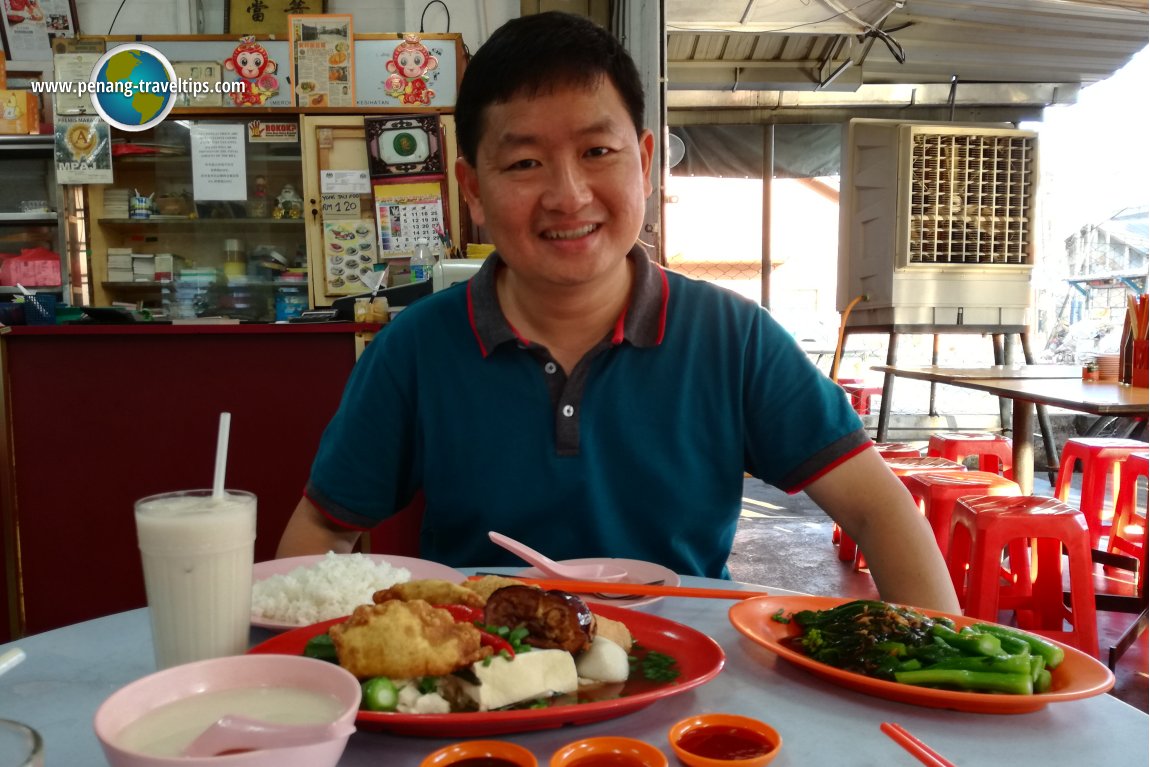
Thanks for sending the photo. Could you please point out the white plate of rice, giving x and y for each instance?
(299, 591)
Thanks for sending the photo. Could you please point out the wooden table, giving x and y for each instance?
(1029, 385)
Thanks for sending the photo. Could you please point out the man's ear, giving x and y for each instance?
(646, 154)
(469, 183)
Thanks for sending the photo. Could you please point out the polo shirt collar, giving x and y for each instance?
(642, 322)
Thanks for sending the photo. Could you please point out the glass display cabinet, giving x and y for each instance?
(204, 219)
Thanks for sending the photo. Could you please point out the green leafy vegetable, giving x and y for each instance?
(896, 643)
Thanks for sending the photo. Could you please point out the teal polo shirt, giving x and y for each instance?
(639, 452)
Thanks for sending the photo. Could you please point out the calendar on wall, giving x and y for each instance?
(406, 213)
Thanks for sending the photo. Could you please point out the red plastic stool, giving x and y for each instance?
(995, 452)
(860, 394)
(893, 450)
(983, 525)
(936, 493)
(1099, 456)
(1128, 533)
(902, 467)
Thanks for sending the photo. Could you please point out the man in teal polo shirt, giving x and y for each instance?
(573, 394)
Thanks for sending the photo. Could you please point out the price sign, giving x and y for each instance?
(339, 205)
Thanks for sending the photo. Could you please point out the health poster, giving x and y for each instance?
(406, 213)
(322, 60)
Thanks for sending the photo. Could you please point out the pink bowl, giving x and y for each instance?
(132, 701)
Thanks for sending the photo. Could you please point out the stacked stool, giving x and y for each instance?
(995, 452)
(902, 467)
(1100, 457)
(937, 492)
(890, 450)
(982, 526)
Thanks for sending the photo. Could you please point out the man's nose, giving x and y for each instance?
(569, 188)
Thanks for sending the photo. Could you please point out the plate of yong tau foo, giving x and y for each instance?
(493, 655)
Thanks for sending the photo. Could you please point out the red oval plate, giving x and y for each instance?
(700, 659)
(1078, 676)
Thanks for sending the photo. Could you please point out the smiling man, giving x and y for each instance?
(573, 394)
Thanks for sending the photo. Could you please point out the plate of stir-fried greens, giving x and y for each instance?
(921, 657)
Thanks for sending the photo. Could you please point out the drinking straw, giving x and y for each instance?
(11, 659)
(914, 746)
(221, 455)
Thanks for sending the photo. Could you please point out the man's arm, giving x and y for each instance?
(310, 532)
(874, 508)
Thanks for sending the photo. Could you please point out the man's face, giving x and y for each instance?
(560, 181)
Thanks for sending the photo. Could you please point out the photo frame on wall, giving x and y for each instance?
(266, 17)
(404, 145)
(209, 73)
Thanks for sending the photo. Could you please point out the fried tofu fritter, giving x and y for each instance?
(432, 591)
(405, 639)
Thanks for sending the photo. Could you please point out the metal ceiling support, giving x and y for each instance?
(907, 95)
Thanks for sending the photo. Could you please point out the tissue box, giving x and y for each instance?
(19, 112)
(34, 267)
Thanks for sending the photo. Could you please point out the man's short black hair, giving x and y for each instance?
(533, 54)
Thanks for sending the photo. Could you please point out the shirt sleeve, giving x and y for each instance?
(800, 423)
(363, 470)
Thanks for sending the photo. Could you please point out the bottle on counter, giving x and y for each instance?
(421, 261)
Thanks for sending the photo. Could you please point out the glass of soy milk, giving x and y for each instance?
(197, 552)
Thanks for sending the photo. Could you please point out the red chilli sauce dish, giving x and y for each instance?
(724, 740)
(608, 751)
(481, 753)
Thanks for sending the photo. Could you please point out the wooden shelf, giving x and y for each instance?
(184, 221)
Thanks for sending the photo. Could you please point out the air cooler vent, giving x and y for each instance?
(971, 197)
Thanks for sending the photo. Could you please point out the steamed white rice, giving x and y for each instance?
(331, 588)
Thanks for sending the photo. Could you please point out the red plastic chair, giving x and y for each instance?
(982, 526)
(995, 452)
(1099, 457)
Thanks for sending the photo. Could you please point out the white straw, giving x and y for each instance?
(11, 659)
(221, 455)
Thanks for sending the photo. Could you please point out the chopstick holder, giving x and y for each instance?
(914, 746)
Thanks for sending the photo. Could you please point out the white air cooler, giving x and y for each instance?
(937, 223)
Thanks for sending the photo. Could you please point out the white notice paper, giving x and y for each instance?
(219, 162)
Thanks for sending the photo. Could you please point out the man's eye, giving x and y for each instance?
(599, 151)
(522, 164)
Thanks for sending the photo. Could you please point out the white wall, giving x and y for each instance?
(474, 19)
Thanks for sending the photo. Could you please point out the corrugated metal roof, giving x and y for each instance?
(1045, 49)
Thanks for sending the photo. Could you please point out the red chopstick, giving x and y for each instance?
(916, 747)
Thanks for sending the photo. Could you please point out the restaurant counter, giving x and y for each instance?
(96, 417)
(70, 671)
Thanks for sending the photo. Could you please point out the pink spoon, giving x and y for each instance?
(599, 572)
(233, 733)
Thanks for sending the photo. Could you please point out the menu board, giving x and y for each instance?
(322, 60)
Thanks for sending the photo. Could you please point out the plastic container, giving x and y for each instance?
(291, 301)
(421, 261)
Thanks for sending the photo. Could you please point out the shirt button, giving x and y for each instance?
(550, 367)
(568, 411)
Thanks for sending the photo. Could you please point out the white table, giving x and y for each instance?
(70, 671)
